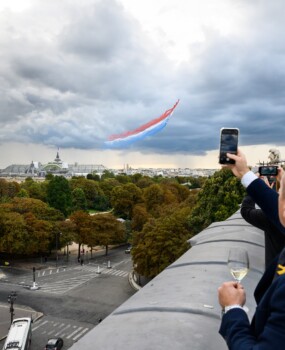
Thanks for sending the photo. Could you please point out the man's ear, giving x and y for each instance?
(281, 202)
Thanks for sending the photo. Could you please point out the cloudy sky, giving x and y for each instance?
(74, 72)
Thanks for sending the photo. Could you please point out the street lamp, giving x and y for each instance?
(11, 298)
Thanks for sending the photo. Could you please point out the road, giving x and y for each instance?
(73, 298)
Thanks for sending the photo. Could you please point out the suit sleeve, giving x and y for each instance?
(267, 200)
(254, 216)
(238, 333)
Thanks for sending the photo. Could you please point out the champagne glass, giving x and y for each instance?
(238, 263)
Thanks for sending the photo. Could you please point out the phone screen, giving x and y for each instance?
(268, 170)
(228, 144)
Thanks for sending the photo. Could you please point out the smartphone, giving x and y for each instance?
(228, 144)
(268, 170)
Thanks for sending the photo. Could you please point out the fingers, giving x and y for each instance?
(265, 179)
(232, 156)
(229, 284)
(280, 173)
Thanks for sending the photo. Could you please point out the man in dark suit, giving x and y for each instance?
(267, 329)
(274, 239)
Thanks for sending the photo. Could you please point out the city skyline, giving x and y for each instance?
(75, 72)
(254, 156)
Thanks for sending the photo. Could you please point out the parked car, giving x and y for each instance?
(54, 344)
(128, 250)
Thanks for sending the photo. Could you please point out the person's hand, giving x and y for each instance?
(240, 167)
(282, 187)
(265, 179)
(231, 293)
(280, 174)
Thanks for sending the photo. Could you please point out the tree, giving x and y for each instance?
(8, 190)
(123, 178)
(40, 234)
(90, 188)
(40, 209)
(161, 242)
(217, 200)
(23, 193)
(78, 200)
(107, 174)
(14, 234)
(180, 192)
(144, 182)
(82, 228)
(140, 217)
(124, 198)
(108, 229)
(101, 203)
(26, 226)
(59, 194)
(94, 177)
(156, 197)
(35, 189)
(67, 230)
(107, 186)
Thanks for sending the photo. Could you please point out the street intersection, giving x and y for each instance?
(73, 298)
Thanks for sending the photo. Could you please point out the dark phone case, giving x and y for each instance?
(262, 171)
(222, 154)
(225, 160)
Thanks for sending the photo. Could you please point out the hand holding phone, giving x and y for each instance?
(228, 144)
(268, 170)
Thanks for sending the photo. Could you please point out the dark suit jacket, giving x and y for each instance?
(274, 239)
(267, 200)
(267, 329)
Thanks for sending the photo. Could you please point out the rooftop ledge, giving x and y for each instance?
(179, 309)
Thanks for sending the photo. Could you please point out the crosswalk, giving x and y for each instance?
(88, 272)
(59, 329)
(63, 279)
(48, 272)
(93, 268)
(107, 271)
(63, 286)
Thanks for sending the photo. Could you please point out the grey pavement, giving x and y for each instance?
(19, 311)
(23, 311)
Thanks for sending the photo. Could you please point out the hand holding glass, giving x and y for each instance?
(238, 263)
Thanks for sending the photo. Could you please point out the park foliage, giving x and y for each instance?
(156, 215)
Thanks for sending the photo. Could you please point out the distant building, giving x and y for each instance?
(55, 167)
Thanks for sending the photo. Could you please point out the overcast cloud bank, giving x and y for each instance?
(73, 73)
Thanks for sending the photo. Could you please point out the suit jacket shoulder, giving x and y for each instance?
(253, 216)
(267, 200)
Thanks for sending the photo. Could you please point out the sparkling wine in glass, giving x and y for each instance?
(238, 263)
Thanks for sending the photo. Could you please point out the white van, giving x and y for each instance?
(20, 334)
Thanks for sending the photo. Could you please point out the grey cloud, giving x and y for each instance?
(102, 32)
(99, 75)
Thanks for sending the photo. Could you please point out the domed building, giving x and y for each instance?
(55, 167)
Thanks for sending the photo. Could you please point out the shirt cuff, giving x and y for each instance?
(248, 178)
(230, 307)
